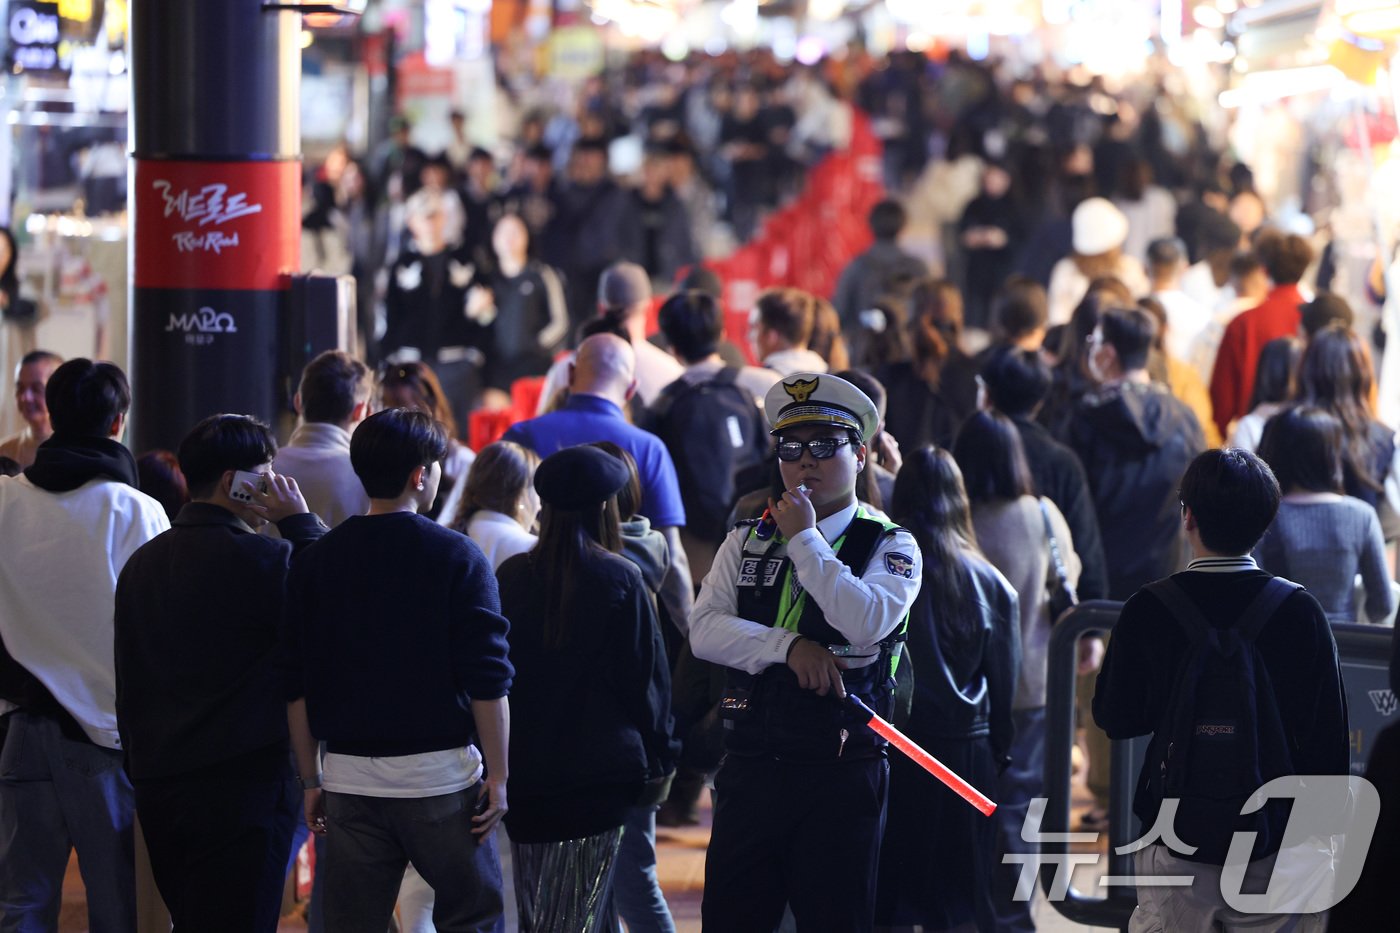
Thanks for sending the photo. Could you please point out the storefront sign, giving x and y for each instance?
(227, 225)
(34, 33)
(575, 53)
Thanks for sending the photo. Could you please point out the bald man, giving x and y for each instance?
(602, 379)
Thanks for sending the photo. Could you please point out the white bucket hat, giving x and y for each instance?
(1098, 227)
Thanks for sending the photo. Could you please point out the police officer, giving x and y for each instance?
(803, 607)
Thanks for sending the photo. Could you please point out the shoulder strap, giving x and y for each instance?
(675, 390)
(862, 537)
(1182, 608)
(1057, 564)
(1262, 609)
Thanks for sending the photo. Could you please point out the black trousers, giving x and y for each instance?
(219, 849)
(807, 835)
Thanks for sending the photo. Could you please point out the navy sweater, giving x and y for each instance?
(393, 628)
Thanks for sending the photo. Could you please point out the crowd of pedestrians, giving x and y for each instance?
(1016, 410)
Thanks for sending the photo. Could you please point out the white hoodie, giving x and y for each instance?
(59, 564)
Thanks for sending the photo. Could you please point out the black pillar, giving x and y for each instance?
(216, 206)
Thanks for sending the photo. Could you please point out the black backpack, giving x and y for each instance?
(713, 429)
(1221, 737)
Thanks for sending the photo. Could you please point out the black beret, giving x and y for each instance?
(579, 478)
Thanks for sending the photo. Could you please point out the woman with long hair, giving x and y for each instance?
(415, 386)
(636, 888)
(591, 698)
(499, 504)
(1014, 529)
(1275, 382)
(930, 394)
(827, 341)
(1336, 375)
(964, 638)
(1321, 538)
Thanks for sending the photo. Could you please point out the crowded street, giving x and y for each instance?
(751, 466)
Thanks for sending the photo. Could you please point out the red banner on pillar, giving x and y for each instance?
(217, 225)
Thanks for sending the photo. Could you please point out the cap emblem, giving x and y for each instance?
(801, 389)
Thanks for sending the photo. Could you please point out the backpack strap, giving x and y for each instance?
(1251, 621)
(678, 388)
(726, 376)
(1262, 609)
(1182, 608)
(667, 397)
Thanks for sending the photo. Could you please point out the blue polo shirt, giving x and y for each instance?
(588, 418)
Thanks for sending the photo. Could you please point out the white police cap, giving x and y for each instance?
(819, 398)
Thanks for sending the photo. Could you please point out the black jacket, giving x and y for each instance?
(663, 245)
(964, 693)
(1059, 476)
(198, 615)
(1148, 648)
(591, 721)
(426, 301)
(592, 228)
(916, 415)
(1135, 441)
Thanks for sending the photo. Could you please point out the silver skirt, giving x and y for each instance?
(565, 887)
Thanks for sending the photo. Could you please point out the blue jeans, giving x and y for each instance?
(57, 795)
(636, 890)
(371, 840)
(1023, 779)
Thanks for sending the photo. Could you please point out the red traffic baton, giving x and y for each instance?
(923, 759)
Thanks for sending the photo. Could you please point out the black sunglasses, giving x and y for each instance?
(821, 448)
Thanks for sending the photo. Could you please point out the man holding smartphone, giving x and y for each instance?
(804, 606)
(199, 701)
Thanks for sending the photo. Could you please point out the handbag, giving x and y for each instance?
(1060, 594)
(21, 310)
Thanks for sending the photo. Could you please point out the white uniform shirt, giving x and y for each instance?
(864, 609)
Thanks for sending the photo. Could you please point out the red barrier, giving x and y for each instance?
(487, 427)
(525, 396)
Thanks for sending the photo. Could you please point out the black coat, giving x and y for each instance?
(425, 305)
(663, 245)
(916, 415)
(1135, 441)
(1059, 476)
(198, 624)
(591, 720)
(966, 691)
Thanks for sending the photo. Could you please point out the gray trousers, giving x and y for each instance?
(371, 840)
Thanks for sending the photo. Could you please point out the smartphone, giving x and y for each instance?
(239, 492)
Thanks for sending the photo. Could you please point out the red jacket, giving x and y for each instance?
(1232, 382)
